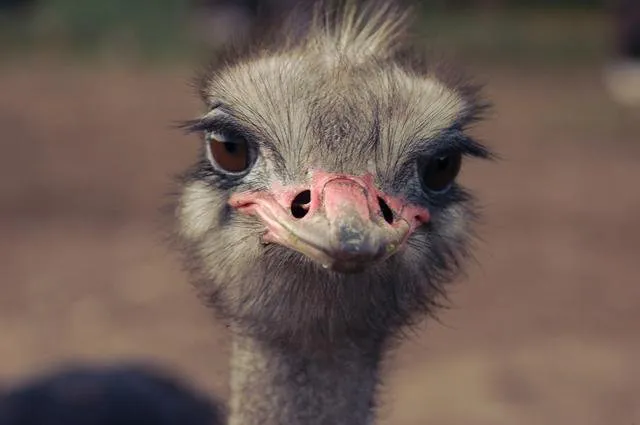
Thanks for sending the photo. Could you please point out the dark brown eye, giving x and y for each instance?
(229, 153)
(438, 173)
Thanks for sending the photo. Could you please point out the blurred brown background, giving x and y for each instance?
(545, 329)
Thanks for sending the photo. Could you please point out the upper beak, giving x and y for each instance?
(343, 222)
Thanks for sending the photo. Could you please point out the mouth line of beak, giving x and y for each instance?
(285, 235)
(290, 239)
(298, 244)
(281, 232)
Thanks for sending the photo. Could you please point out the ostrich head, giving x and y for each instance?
(325, 203)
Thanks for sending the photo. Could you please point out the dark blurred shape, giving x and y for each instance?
(628, 28)
(16, 5)
(622, 77)
(224, 21)
(123, 395)
(17, 10)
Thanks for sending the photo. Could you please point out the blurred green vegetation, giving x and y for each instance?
(149, 28)
(520, 35)
(495, 30)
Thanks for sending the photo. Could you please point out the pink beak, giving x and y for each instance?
(343, 222)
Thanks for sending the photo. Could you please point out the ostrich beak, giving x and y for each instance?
(343, 222)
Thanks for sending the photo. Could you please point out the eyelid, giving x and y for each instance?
(216, 120)
(224, 126)
(227, 125)
(453, 144)
(218, 136)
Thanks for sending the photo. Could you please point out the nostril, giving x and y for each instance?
(300, 204)
(387, 214)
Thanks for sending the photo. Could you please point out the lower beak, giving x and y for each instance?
(342, 222)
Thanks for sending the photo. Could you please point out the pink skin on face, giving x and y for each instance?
(344, 227)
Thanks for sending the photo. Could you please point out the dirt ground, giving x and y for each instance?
(545, 329)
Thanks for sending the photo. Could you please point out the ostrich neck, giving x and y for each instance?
(274, 385)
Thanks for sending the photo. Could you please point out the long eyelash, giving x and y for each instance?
(215, 124)
(470, 147)
(191, 126)
(453, 140)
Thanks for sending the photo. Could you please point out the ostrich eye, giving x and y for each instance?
(230, 154)
(437, 173)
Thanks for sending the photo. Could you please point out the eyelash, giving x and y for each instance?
(456, 140)
(216, 125)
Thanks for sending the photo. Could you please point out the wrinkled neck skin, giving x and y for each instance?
(278, 385)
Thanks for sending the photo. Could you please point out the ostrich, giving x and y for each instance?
(323, 217)
(106, 395)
